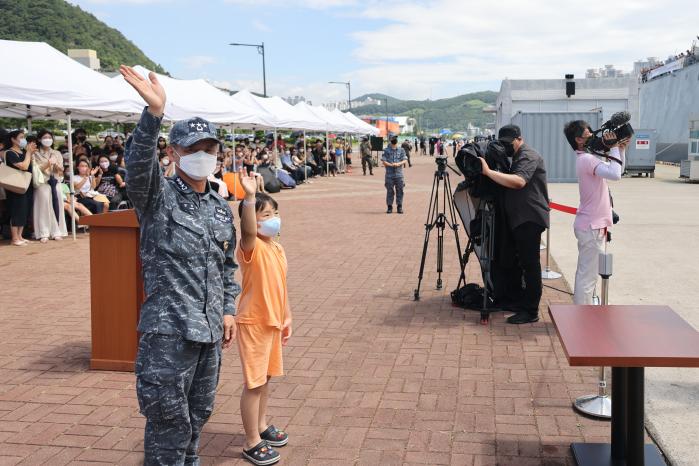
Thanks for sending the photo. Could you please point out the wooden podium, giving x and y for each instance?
(116, 289)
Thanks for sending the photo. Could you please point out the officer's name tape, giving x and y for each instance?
(563, 208)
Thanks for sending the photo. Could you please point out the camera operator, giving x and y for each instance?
(527, 216)
(594, 214)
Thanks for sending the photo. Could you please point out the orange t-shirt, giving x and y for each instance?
(263, 295)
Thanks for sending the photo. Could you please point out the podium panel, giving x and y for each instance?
(116, 289)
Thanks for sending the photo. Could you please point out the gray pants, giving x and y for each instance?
(394, 183)
(176, 384)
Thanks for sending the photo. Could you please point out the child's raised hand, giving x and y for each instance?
(248, 182)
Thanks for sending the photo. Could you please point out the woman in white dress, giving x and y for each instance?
(49, 222)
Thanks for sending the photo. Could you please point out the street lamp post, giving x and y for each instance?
(261, 51)
(386, 99)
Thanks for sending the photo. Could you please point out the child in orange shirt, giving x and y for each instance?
(263, 320)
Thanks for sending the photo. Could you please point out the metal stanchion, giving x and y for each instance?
(547, 273)
(599, 405)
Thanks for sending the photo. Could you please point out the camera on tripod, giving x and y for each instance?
(617, 124)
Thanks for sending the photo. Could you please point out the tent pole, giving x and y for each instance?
(235, 171)
(305, 157)
(29, 119)
(327, 155)
(275, 149)
(70, 169)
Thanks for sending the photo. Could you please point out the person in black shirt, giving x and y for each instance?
(109, 181)
(527, 216)
(18, 155)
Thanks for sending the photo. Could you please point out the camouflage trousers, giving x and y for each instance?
(394, 184)
(176, 384)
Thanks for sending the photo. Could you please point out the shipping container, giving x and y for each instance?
(640, 153)
(543, 131)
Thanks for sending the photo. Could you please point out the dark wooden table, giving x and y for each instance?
(627, 339)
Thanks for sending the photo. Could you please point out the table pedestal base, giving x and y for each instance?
(600, 454)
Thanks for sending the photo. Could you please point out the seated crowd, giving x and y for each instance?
(100, 178)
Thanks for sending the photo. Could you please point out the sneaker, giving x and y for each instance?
(523, 318)
(275, 437)
(261, 454)
(389, 210)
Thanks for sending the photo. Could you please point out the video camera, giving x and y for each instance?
(617, 124)
(468, 161)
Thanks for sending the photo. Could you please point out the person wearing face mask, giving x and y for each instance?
(109, 181)
(187, 244)
(107, 145)
(81, 146)
(18, 154)
(264, 320)
(526, 204)
(49, 220)
(394, 159)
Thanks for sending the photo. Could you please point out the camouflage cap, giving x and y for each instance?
(187, 132)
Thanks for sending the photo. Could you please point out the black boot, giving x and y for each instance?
(389, 210)
(400, 209)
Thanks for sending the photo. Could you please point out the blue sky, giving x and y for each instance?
(408, 49)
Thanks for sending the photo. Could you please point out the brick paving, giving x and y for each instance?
(372, 377)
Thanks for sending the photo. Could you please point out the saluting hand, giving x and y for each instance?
(150, 89)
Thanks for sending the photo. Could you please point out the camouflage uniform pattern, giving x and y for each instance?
(187, 244)
(176, 384)
(365, 151)
(394, 180)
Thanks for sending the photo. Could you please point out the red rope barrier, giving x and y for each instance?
(563, 208)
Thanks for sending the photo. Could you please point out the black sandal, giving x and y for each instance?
(261, 454)
(275, 437)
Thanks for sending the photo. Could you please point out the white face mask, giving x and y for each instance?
(166, 162)
(46, 142)
(198, 165)
(22, 143)
(104, 165)
(113, 158)
(270, 227)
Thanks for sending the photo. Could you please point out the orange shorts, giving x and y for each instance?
(260, 350)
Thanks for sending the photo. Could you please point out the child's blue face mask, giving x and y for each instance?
(270, 227)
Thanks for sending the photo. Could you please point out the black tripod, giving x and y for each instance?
(437, 218)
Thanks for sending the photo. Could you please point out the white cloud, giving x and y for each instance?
(198, 61)
(425, 45)
(260, 26)
(313, 4)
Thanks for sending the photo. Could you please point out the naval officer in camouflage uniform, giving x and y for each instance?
(394, 159)
(187, 241)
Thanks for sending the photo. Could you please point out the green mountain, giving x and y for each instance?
(64, 26)
(454, 113)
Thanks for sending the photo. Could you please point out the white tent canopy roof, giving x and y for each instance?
(187, 98)
(366, 127)
(46, 83)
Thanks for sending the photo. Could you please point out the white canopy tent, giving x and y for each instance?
(363, 125)
(48, 84)
(195, 97)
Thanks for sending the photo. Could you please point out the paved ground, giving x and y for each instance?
(372, 377)
(656, 252)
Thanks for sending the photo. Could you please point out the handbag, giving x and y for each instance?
(38, 177)
(16, 181)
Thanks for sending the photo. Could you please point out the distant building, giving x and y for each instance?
(367, 101)
(295, 99)
(341, 105)
(87, 57)
(611, 95)
(607, 72)
(387, 126)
